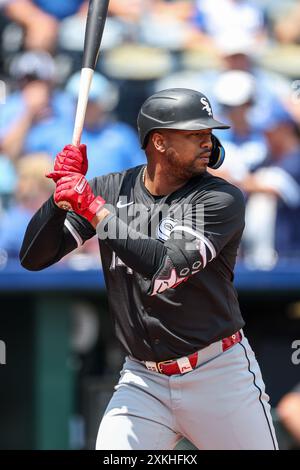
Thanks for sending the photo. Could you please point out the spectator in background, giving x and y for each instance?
(33, 118)
(236, 52)
(168, 24)
(7, 180)
(263, 159)
(273, 207)
(288, 410)
(235, 92)
(44, 21)
(215, 18)
(287, 27)
(241, 53)
(113, 146)
(136, 8)
(31, 190)
(40, 19)
(128, 11)
(158, 23)
(3, 3)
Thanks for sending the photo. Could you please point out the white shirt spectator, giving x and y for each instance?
(218, 17)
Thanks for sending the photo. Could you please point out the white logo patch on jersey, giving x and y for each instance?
(120, 205)
(164, 228)
(206, 106)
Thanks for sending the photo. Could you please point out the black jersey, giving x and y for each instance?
(200, 225)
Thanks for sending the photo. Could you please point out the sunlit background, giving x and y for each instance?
(59, 359)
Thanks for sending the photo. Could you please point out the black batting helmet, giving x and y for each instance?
(182, 109)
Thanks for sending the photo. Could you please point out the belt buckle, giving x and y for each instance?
(163, 362)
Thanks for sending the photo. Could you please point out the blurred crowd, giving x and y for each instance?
(243, 54)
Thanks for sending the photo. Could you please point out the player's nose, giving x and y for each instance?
(206, 143)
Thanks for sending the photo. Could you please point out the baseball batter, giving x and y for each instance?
(169, 232)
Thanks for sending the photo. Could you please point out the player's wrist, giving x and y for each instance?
(95, 208)
(100, 216)
(55, 205)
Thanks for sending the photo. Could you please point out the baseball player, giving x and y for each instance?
(169, 232)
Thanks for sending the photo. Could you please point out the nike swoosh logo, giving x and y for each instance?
(120, 205)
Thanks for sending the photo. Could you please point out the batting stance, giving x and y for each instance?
(168, 267)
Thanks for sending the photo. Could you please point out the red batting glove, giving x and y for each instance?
(75, 189)
(72, 159)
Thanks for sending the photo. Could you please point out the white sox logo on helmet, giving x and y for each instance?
(206, 106)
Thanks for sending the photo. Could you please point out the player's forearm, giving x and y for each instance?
(46, 241)
(142, 254)
(100, 216)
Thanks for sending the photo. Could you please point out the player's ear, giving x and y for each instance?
(159, 142)
(217, 154)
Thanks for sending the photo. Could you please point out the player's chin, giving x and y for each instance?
(200, 165)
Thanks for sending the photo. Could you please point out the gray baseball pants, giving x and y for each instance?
(221, 404)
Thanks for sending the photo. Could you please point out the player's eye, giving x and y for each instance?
(200, 135)
(195, 134)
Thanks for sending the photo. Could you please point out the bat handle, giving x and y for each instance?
(84, 89)
(86, 78)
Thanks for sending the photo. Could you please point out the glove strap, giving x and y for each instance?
(94, 208)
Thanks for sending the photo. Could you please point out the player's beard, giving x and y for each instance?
(181, 169)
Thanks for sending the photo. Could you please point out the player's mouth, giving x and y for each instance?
(205, 157)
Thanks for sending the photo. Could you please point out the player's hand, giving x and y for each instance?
(70, 159)
(75, 189)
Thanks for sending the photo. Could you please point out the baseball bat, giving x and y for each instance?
(95, 23)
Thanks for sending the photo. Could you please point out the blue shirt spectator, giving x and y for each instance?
(40, 20)
(279, 176)
(12, 228)
(7, 176)
(287, 239)
(45, 135)
(34, 118)
(61, 108)
(31, 190)
(59, 8)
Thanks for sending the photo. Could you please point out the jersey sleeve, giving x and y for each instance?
(52, 234)
(46, 239)
(207, 225)
(210, 222)
(201, 231)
